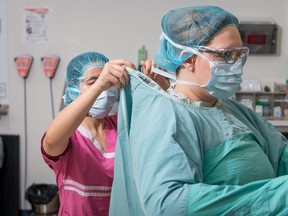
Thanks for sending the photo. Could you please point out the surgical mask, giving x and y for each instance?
(105, 102)
(226, 67)
(224, 82)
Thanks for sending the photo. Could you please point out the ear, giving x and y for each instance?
(189, 63)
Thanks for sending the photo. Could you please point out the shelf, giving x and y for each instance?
(264, 103)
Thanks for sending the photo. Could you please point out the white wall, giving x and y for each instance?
(116, 28)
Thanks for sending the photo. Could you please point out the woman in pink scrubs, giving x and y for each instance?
(79, 144)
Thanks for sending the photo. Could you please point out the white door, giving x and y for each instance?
(3, 50)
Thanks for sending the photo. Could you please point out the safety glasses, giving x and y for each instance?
(228, 56)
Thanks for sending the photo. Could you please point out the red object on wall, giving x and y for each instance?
(256, 39)
(50, 64)
(23, 64)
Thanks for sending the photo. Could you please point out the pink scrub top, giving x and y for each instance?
(84, 172)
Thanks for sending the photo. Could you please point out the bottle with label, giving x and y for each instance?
(277, 113)
(266, 109)
(142, 56)
(286, 110)
(259, 108)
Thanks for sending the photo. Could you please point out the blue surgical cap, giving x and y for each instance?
(77, 68)
(190, 27)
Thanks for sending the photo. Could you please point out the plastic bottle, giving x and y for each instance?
(286, 110)
(259, 108)
(277, 113)
(142, 56)
(266, 109)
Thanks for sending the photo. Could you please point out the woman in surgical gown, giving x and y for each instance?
(193, 150)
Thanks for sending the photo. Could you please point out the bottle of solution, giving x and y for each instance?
(286, 110)
(259, 108)
(277, 112)
(142, 56)
(266, 109)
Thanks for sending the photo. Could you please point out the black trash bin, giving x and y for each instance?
(43, 198)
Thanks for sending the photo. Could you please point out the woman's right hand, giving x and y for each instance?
(114, 74)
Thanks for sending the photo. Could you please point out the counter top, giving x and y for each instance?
(280, 124)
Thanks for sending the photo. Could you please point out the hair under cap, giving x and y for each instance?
(77, 68)
(191, 26)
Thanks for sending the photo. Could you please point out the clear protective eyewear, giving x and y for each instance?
(228, 56)
(222, 55)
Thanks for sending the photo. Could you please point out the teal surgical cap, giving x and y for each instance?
(77, 68)
(190, 27)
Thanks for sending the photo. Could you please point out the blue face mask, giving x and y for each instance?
(105, 102)
(225, 79)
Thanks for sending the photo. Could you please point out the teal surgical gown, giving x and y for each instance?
(177, 157)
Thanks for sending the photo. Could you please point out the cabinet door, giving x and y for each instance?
(10, 176)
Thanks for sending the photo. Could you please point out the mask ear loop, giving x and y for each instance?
(171, 75)
(185, 49)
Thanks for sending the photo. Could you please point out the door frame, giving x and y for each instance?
(3, 50)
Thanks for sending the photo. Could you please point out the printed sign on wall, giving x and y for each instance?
(35, 25)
